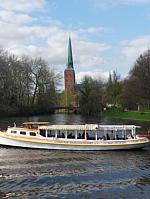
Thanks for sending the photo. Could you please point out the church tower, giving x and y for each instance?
(69, 73)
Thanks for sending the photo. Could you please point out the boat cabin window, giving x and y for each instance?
(60, 134)
(90, 135)
(13, 131)
(43, 132)
(80, 134)
(22, 133)
(50, 133)
(71, 134)
(32, 134)
(100, 135)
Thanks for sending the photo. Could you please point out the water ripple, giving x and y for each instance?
(31, 174)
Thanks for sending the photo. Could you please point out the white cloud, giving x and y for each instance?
(103, 75)
(12, 33)
(50, 41)
(126, 53)
(15, 18)
(89, 54)
(87, 61)
(22, 5)
(133, 48)
(93, 48)
(29, 41)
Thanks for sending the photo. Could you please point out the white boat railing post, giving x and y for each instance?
(95, 135)
(56, 134)
(76, 135)
(65, 134)
(134, 134)
(115, 134)
(46, 133)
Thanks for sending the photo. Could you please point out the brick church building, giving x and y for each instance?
(69, 73)
(69, 77)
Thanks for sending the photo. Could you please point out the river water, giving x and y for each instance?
(30, 174)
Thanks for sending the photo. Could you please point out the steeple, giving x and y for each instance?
(69, 72)
(70, 58)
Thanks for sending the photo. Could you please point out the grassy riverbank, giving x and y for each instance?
(129, 115)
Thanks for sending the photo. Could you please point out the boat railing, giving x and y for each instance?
(83, 141)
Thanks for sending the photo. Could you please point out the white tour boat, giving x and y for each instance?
(40, 135)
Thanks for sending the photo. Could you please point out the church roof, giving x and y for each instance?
(70, 58)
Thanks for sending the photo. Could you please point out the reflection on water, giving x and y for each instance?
(26, 173)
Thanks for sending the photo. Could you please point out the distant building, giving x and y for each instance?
(69, 73)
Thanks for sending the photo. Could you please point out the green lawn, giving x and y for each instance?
(114, 113)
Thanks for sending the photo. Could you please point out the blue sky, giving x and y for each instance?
(106, 35)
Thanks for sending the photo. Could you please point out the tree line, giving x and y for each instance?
(131, 93)
(30, 86)
(27, 86)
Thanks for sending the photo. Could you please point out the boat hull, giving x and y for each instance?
(44, 144)
(144, 136)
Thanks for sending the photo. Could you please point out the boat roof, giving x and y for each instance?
(22, 129)
(38, 123)
(117, 127)
(89, 127)
(70, 127)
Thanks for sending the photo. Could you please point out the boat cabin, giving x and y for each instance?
(77, 132)
(89, 132)
(27, 129)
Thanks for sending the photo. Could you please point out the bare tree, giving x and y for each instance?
(26, 84)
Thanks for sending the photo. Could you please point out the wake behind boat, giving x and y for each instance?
(89, 137)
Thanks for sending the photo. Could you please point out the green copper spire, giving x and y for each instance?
(70, 58)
